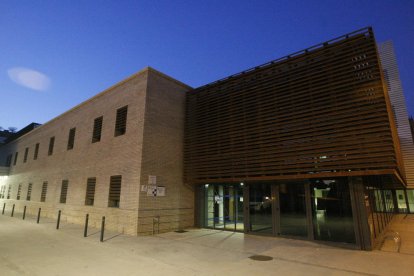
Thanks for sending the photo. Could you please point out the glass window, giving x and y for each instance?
(292, 209)
(332, 211)
(114, 191)
(64, 191)
(97, 129)
(51, 145)
(90, 191)
(260, 206)
(71, 138)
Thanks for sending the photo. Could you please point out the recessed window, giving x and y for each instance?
(26, 153)
(8, 192)
(114, 191)
(97, 130)
(19, 190)
(64, 191)
(2, 191)
(29, 191)
(121, 120)
(90, 191)
(51, 145)
(8, 160)
(44, 192)
(71, 139)
(15, 158)
(36, 152)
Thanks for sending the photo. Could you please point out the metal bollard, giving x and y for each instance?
(102, 228)
(38, 215)
(58, 220)
(4, 207)
(24, 212)
(12, 213)
(85, 231)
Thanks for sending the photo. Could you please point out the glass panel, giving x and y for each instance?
(410, 198)
(209, 206)
(332, 212)
(292, 209)
(229, 208)
(402, 204)
(260, 205)
(239, 207)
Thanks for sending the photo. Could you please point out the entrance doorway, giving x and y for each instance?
(224, 206)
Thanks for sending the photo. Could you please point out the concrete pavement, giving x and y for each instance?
(27, 248)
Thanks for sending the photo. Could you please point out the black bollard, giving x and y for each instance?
(38, 215)
(102, 228)
(58, 220)
(24, 212)
(85, 231)
(4, 207)
(12, 213)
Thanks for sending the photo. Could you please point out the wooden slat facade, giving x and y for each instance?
(321, 111)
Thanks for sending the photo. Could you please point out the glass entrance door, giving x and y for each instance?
(224, 206)
(260, 208)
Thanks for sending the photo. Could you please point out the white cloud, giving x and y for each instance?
(29, 78)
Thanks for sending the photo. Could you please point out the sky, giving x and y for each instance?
(57, 54)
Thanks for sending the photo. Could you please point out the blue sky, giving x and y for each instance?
(69, 51)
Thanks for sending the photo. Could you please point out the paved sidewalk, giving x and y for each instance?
(27, 248)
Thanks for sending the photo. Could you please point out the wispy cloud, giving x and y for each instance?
(29, 78)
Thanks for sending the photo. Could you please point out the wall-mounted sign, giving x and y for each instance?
(155, 190)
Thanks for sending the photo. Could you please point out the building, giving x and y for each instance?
(104, 157)
(305, 146)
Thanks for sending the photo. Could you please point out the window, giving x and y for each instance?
(29, 192)
(90, 191)
(97, 129)
(26, 152)
(8, 160)
(36, 152)
(2, 191)
(51, 145)
(64, 191)
(121, 119)
(71, 139)
(15, 158)
(44, 192)
(8, 192)
(19, 190)
(114, 191)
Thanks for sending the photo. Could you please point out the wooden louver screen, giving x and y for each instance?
(19, 191)
(90, 191)
(51, 145)
(121, 120)
(44, 192)
(320, 111)
(64, 191)
(29, 192)
(26, 153)
(71, 138)
(114, 191)
(36, 152)
(97, 129)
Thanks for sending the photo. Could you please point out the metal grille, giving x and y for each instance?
(36, 152)
(44, 192)
(51, 145)
(19, 190)
(121, 120)
(71, 138)
(26, 153)
(2, 191)
(29, 192)
(8, 192)
(90, 191)
(64, 191)
(97, 129)
(320, 112)
(114, 191)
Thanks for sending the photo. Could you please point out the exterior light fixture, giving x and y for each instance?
(206, 185)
